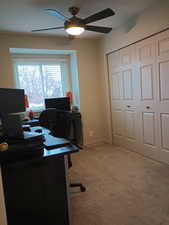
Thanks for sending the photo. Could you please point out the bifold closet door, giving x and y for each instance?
(162, 66)
(147, 107)
(124, 94)
(139, 90)
(116, 97)
(130, 97)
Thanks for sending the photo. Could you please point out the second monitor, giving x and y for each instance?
(62, 103)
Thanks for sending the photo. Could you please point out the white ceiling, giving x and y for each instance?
(25, 15)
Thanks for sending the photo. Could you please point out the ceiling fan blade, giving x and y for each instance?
(99, 16)
(98, 29)
(51, 28)
(59, 15)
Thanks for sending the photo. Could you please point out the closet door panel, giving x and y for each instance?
(130, 75)
(130, 124)
(162, 65)
(150, 135)
(127, 85)
(130, 131)
(146, 77)
(118, 126)
(146, 50)
(116, 95)
(116, 86)
(164, 125)
(165, 130)
(162, 44)
(113, 61)
(149, 128)
(146, 61)
(164, 80)
(126, 56)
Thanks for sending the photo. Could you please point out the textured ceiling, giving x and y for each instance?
(25, 15)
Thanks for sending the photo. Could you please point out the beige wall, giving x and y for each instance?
(152, 20)
(89, 74)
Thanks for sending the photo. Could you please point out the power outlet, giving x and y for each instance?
(91, 133)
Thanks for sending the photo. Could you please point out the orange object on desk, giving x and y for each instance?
(31, 116)
(26, 102)
(70, 96)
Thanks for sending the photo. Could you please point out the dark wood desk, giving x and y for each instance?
(36, 188)
(32, 123)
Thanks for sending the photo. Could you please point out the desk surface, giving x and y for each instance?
(57, 147)
(34, 122)
(51, 142)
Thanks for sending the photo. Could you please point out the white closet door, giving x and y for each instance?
(147, 107)
(130, 97)
(116, 86)
(118, 125)
(116, 95)
(162, 44)
(130, 129)
(115, 78)
(139, 84)
(124, 94)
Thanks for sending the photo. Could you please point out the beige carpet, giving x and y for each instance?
(123, 188)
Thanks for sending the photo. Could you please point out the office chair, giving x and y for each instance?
(64, 124)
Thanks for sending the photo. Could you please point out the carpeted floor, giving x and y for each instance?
(123, 188)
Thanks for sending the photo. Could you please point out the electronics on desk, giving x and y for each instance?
(12, 103)
(62, 103)
(12, 100)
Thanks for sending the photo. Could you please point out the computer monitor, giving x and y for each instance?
(11, 100)
(62, 103)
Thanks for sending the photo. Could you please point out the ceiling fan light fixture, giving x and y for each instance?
(75, 25)
(75, 30)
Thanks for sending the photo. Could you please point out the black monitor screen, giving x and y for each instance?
(12, 100)
(58, 103)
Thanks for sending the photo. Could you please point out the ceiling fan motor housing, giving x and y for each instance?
(74, 22)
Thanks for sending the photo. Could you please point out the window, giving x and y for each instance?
(40, 80)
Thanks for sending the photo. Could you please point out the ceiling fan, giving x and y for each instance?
(75, 25)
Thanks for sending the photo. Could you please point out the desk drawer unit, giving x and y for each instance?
(36, 192)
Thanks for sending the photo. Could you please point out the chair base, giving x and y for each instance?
(82, 187)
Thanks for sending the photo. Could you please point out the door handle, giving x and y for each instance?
(128, 106)
(147, 107)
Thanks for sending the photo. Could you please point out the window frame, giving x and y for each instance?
(64, 61)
